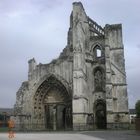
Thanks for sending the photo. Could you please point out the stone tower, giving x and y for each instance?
(85, 87)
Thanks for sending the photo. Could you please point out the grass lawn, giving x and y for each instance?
(3, 129)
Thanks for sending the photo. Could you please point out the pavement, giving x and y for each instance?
(83, 135)
(114, 135)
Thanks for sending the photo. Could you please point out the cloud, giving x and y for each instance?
(38, 28)
(132, 57)
(138, 46)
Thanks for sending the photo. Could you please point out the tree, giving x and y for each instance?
(1, 117)
(137, 107)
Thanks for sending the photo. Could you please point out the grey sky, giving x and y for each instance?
(38, 28)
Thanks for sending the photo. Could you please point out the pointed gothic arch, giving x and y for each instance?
(97, 51)
(53, 104)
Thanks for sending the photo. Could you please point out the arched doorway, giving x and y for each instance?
(56, 105)
(53, 104)
(100, 114)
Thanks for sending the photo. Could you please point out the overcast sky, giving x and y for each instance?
(38, 28)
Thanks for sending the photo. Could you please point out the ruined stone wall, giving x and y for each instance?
(90, 77)
(116, 87)
(80, 35)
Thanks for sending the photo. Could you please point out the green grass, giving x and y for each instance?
(132, 127)
(3, 129)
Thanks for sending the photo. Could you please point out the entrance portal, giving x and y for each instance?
(57, 116)
(100, 112)
(53, 105)
(57, 110)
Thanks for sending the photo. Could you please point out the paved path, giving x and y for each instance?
(52, 136)
(89, 135)
(114, 135)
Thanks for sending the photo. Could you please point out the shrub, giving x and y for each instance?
(137, 107)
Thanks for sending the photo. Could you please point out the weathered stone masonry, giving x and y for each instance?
(85, 85)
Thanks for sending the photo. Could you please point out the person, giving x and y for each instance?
(11, 134)
(11, 125)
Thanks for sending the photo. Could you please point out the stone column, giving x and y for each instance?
(54, 118)
(80, 99)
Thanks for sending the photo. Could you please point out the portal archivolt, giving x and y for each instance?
(53, 104)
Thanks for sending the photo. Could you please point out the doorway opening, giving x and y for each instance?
(100, 114)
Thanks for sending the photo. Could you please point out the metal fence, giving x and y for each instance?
(75, 127)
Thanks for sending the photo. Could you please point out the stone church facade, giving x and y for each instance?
(85, 86)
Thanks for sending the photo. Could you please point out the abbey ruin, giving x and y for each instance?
(85, 86)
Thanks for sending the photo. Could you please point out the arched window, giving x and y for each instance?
(97, 51)
(98, 80)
